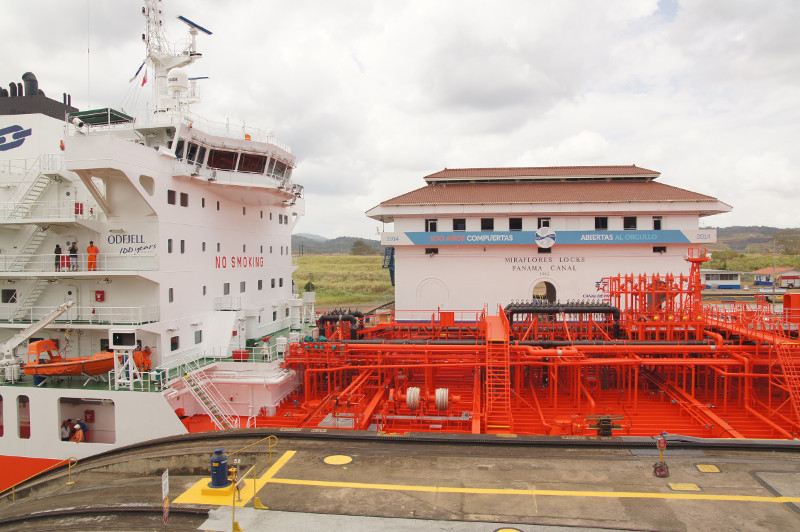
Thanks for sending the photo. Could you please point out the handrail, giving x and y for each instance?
(13, 487)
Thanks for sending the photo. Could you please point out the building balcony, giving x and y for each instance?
(99, 315)
(35, 265)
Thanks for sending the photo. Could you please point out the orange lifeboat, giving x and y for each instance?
(44, 360)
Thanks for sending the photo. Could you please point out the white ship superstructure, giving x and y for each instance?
(183, 235)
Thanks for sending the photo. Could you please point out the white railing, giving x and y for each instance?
(46, 163)
(228, 303)
(229, 176)
(87, 315)
(106, 262)
(50, 210)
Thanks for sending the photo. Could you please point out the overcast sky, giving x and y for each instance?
(373, 95)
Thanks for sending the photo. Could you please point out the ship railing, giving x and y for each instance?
(227, 303)
(149, 118)
(104, 262)
(151, 381)
(98, 315)
(427, 316)
(51, 210)
(46, 163)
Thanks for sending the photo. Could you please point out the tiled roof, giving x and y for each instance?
(545, 192)
(769, 270)
(542, 171)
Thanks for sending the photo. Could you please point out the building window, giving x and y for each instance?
(171, 197)
(198, 336)
(171, 295)
(515, 224)
(184, 199)
(657, 223)
(601, 223)
(274, 315)
(260, 284)
(430, 225)
(9, 295)
(459, 224)
(272, 283)
(629, 223)
(659, 249)
(183, 246)
(241, 287)
(174, 343)
(431, 251)
(543, 251)
(543, 222)
(287, 312)
(280, 282)
(169, 245)
(487, 224)
(226, 289)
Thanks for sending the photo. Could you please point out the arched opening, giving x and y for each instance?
(545, 290)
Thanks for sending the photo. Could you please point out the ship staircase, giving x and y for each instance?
(45, 169)
(788, 354)
(498, 375)
(210, 399)
(28, 299)
(28, 249)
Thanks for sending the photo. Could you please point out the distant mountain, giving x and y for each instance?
(740, 237)
(309, 236)
(343, 245)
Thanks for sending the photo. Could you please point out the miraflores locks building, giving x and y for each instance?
(476, 236)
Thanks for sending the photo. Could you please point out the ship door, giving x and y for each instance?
(69, 197)
(71, 294)
(545, 290)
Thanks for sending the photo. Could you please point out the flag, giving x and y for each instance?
(137, 71)
(144, 78)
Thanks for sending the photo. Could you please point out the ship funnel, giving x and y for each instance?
(31, 84)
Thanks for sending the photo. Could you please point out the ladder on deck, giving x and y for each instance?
(28, 299)
(789, 358)
(211, 400)
(498, 375)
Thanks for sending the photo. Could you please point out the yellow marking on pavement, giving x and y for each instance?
(707, 468)
(338, 459)
(684, 486)
(223, 496)
(556, 493)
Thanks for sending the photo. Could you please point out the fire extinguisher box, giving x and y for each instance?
(99, 296)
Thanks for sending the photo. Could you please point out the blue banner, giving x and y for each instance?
(517, 238)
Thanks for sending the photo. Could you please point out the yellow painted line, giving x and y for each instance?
(707, 468)
(194, 494)
(556, 493)
(338, 459)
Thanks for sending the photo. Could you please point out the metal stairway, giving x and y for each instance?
(28, 299)
(498, 375)
(33, 192)
(789, 358)
(28, 249)
(211, 400)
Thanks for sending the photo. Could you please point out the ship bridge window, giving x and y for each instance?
(179, 149)
(191, 153)
(221, 160)
(278, 169)
(254, 164)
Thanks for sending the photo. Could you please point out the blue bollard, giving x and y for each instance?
(219, 470)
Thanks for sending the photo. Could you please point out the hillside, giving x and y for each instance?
(756, 238)
(304, 244)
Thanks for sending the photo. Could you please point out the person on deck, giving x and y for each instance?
(92, 252)
(73, 257)
(65, 431)
(57, 253)
(77, 436)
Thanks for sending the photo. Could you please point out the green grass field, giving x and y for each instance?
(345, 280)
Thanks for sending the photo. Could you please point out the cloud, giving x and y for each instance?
(373, 96)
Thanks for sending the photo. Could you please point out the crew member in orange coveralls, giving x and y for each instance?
(92, 250)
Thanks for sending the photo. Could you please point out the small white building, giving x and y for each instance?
(478, 236)
(720, 279)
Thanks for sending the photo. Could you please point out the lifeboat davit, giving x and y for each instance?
(44, 360)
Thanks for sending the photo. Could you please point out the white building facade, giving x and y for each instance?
(480, 236)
